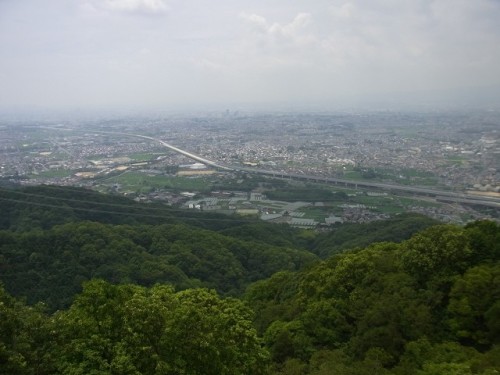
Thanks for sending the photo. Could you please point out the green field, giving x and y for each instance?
(144, 156)
(372, 201)
(416, 202)
(353, 175)
(456, 160)
(403, 177)
(143, 182)
(140, 182)
(54, 173)
(316, 213)
(410, 172)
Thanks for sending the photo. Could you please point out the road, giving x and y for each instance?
(441, 195)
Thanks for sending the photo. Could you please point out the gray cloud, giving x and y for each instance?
(97, 53)
(128, 6)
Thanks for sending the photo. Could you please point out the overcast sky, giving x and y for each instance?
(222, 53)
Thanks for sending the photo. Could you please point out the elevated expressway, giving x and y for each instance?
(180, 151)
(440, 195)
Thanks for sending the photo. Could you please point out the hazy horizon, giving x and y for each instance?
(173, 55)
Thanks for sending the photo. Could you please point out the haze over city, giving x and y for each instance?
(190, 55)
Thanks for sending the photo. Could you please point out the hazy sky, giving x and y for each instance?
(189, 53)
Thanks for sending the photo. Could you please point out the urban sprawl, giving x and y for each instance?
(446, 151)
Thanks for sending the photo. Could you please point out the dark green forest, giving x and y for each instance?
(99, 284)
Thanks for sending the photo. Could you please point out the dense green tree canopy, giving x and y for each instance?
(50, 265)
(160, 297)
(128, 329)
(426, 306)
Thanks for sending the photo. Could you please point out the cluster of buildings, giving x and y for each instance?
(456, 151)
(291, 213)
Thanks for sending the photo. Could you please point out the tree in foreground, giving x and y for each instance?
(128, 329)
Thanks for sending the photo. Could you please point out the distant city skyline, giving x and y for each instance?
(185, 55)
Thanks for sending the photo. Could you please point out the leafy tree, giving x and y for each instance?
(25, 338)
(273, 299)
(288, 340)
(475, 305)
(327, 323)
(484, 238)
(387, 308)
(128, 329)
(438, 251)
(351, 235)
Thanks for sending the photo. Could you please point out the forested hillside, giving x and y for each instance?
(50, 265)
(350, 235)
(128, 329)
(168, 293)
(430, 305)
(55, 238)
(42, 207)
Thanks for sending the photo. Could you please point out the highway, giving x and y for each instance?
(439, 195)
(180, 151)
